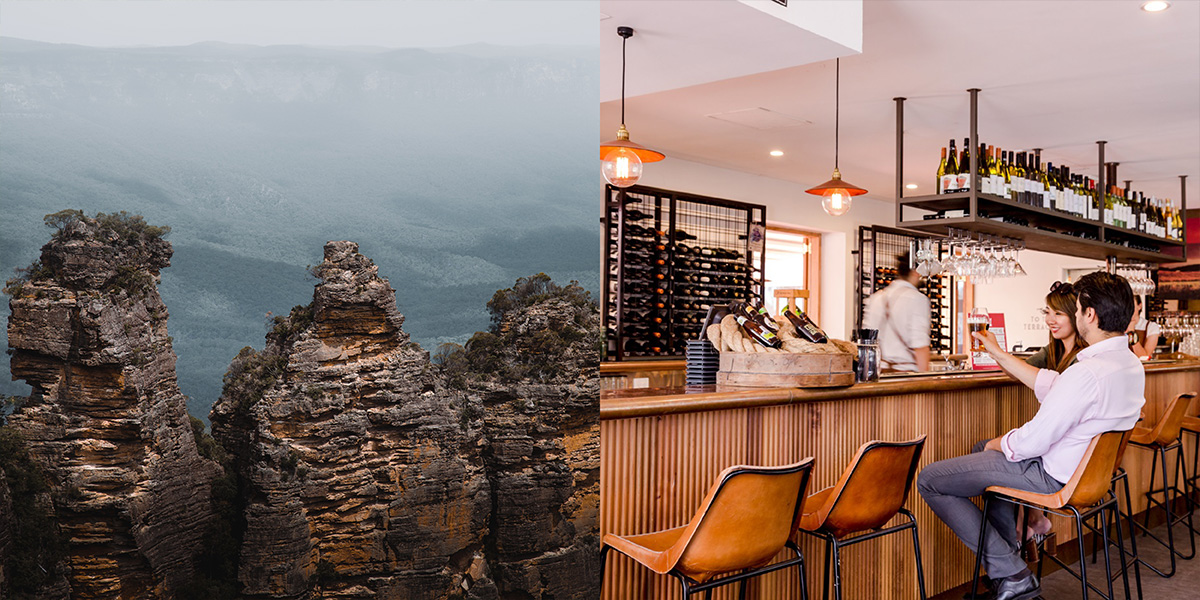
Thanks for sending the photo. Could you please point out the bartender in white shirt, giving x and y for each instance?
(901, 314)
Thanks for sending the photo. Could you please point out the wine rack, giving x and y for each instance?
(879, 251)
(668, 258)
(1042, 229)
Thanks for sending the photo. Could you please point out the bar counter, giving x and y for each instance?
(661, 449)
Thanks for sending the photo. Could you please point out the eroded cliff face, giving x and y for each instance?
(543, 455)
(362, 481)
(366, 477)
(106, 420)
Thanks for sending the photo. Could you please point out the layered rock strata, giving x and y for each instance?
(367, 477)
(363, 482)
(106, 420)
(543, 455)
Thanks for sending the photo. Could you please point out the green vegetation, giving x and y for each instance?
(40, 546)
(510, 356)
(216, 567)
(122, 228)
(531, 290)
(125, 232)
(250, 374)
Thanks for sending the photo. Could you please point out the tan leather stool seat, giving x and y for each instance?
(1083, 495)
(745, 520)
(870, 492)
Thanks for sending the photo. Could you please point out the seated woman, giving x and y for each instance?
(1065, 342)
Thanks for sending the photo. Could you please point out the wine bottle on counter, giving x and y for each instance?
(765, 318)
(805, 326)
(757, 331)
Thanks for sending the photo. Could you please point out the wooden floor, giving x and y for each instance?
(1185, 585)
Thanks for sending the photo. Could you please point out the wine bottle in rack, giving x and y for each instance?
(964, 167)
(950, 175)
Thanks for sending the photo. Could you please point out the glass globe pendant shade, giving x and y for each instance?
(621, 167)
(837, 203)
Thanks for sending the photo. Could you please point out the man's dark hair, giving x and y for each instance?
(1110, 296)
(904, 269)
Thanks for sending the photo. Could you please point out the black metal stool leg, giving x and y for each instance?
(916, 552)
(1146, 517)
(987, 500)
(1082, 550)
(604, 548)
(828, 569)
(1107, 562)
(1121, 545)
(1137, 563)
(837, 571)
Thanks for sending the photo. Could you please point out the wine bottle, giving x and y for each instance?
(758, 332)
(941, 173)
(964, 167)
(805, 326)
(765, 318)
(996, 186)
(950, 176)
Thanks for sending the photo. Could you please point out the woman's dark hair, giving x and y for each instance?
(1062, 299)
(1110, 296)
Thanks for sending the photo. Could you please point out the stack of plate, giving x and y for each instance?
(703, 361)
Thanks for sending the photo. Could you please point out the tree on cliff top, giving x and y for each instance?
(135, 243)
(528, 291)
(518, 348)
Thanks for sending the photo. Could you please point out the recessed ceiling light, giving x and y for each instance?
(777, 153)
(1155, 6)
(911, 186)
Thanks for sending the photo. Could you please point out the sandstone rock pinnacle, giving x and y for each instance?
(106, 419)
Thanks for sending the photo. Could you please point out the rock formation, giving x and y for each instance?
(106, 420)
(543, 453)
(367, 477)
(363, 483)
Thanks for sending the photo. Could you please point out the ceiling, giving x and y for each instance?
(1056, 75)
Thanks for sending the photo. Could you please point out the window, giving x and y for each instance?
(792, 269)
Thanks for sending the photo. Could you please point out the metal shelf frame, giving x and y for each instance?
(1046, 226)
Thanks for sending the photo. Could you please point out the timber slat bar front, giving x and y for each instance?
(661, 449)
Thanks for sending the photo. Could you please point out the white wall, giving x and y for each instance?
(787, 204)
(1022, 298)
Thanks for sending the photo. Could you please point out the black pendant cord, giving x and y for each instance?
(623, 40)
(837, 111)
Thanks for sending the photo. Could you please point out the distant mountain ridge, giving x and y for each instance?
(457, 171)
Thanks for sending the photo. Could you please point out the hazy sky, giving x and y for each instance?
(388, 23)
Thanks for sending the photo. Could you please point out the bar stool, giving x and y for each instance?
(1192, 425)
(867, 495)
(746, 518)
(1086, 490)
(1120, 476)
(1163, 437)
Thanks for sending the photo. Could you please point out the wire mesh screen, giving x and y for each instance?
(880, 252)
(669, 258)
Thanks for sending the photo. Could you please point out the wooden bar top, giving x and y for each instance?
(645, 402)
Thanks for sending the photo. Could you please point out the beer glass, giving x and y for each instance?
(977, 320)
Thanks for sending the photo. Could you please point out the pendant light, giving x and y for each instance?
(837, 193)
(621, 159)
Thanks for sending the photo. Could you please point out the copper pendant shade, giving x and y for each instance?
(836, 186)
(622, 141)
(622, 159)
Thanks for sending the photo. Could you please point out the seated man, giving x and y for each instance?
(1102, 392)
